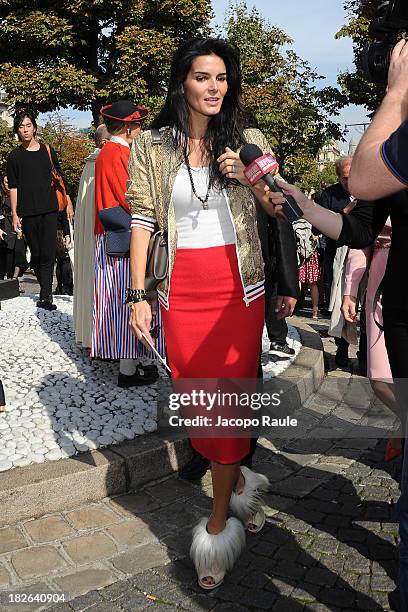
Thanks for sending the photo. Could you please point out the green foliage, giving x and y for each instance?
(328, 175)
(7, 143)
(281, 90)
(83, 53)
(72, 148)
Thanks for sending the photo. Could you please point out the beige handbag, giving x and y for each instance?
(157, 264)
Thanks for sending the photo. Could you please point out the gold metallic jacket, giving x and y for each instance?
(152, 172)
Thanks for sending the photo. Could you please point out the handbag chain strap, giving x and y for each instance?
(156, 141)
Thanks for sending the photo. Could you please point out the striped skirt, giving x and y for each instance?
(111, 335)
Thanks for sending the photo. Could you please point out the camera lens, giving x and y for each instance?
(376, 61)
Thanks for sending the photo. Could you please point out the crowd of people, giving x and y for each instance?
(234, 262)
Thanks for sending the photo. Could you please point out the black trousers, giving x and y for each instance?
(41, 234)
(277, 328)
(396, 342)
(63, 272)
(328, 261)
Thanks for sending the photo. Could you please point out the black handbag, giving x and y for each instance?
(116, 223)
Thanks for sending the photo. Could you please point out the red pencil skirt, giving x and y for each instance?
(211, 333)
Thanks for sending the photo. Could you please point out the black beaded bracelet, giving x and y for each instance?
(135, 295)
(135, 301)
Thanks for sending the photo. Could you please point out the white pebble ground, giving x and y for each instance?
(60, 402)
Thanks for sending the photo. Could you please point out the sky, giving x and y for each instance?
(312, 25)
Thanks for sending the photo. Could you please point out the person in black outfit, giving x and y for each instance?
(336, 197)
(273, 234)
(63, 269)
(277, 237)
(34, 203)
(359, 230)
(13, 262)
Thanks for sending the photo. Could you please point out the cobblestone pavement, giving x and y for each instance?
(329, 543)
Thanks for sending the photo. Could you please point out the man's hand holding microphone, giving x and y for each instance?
(254, 169)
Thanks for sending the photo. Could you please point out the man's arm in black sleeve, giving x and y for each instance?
(324, 199)
(58, 168)
(286, 257)
(11, 172)
(362, 226)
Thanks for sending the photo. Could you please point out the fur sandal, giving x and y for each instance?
(246, 504)
(214, 555)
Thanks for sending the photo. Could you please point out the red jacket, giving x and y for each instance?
(111, 175)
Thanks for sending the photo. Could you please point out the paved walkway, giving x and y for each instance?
(329, 543)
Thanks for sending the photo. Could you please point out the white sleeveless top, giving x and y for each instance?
(198, 228)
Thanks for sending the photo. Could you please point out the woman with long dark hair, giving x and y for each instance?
(213, 297)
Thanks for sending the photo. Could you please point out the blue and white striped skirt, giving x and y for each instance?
(111, 335)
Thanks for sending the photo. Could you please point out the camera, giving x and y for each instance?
(391, 19)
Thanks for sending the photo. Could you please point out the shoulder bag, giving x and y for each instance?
(58, 184)
(157, 263)
(116, 222)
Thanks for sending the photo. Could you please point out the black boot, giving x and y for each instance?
(195, 468)
(341, 359)
(46, 305)
(139, 378)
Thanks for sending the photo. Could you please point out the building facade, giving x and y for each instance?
(330, 152)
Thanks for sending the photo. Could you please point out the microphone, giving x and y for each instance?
(258, 167)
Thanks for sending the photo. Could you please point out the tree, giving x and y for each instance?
(355, 84)
(328, 175)
(83, 53)
(71, 147)
(7, 143)
(281, 90)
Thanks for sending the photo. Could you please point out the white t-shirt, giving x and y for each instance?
(198, 228)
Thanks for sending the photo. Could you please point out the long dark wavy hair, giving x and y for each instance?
(225, 128)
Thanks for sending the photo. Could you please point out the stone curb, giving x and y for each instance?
(39, 489)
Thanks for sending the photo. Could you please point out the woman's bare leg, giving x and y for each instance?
(224, 479)
(314, 294)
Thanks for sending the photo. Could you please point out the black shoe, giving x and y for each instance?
(151, 370)
(46, 304)
(195, 468)
(247, 461)
(280, 352)
(341, 358)
(139, 378)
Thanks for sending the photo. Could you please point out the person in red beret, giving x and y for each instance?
(111, 335)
